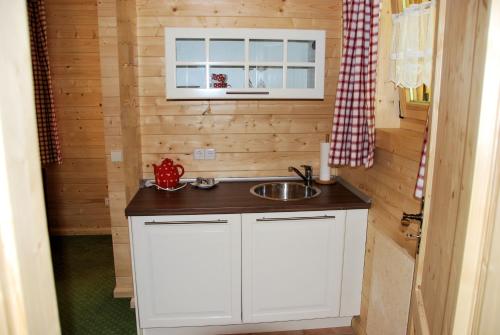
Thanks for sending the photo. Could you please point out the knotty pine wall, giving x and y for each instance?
(252, 138)
(390, 183)
(76, 190)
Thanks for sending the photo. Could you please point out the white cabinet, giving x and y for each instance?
(187, 270)
(292, 265)
(245, 273)
(219, 63)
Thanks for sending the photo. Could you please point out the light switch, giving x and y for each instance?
(199, 154)
(116, 156)
(210, 153)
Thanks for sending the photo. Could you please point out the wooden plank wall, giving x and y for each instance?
(76, 190)
(252, 138)
(28, 303)
(390, 183)
(463, 167)
(117, 21)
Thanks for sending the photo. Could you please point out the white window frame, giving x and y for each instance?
(175, 93)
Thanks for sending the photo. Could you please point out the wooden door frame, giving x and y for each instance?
(27, 292)
(486, 309)
(480, 179)
(478, 222)
(416, 302)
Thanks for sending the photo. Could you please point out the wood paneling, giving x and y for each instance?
(128, 123)
(28, 303)
(483, 290)
(76, 190)
(117, 23)
(390, 183)
(323, 331)
(312, 9)
(464, 167)
(390, 283)
(387, 96)
(252, 138)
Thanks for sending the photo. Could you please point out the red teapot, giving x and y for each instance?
(167, 174)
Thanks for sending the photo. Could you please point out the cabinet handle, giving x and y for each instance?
(323, 217)
(186, 222)
(245, 92)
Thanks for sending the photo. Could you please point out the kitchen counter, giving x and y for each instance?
(234, 197)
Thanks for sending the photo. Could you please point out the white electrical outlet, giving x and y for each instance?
(116, 156)
(199, 154)
(210, 153)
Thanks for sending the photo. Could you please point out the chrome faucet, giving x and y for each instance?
(308, 179)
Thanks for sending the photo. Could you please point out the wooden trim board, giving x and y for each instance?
(28, 302)
(252, 328)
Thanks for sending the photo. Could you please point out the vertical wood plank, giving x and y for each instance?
(76, 79)
(246, 134)
(390, 183)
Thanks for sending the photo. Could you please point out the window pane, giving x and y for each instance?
(190, 49)
(421, 94)
(407, 3)
(266, 50)
(227, 76)
(222, 50)
(265, 77)
(300, 77)
(301, 51)
(190, 77)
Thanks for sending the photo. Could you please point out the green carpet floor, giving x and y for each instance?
(83, 270)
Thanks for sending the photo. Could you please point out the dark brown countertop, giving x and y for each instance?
(235, 197)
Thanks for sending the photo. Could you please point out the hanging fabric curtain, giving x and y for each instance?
(412, 45)
(353, 131)
(48, 138)
(419, 185)
(411, 60)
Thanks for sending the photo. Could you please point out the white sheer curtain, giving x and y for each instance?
(412, 45)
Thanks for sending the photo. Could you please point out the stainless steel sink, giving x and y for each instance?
(284, 191)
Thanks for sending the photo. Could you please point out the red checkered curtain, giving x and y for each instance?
(50, 151)
(419, 185)
(353, 131)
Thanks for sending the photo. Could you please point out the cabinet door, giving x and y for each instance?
(187, 270)
(292, 265)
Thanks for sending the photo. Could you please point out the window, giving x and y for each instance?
(415, 99)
